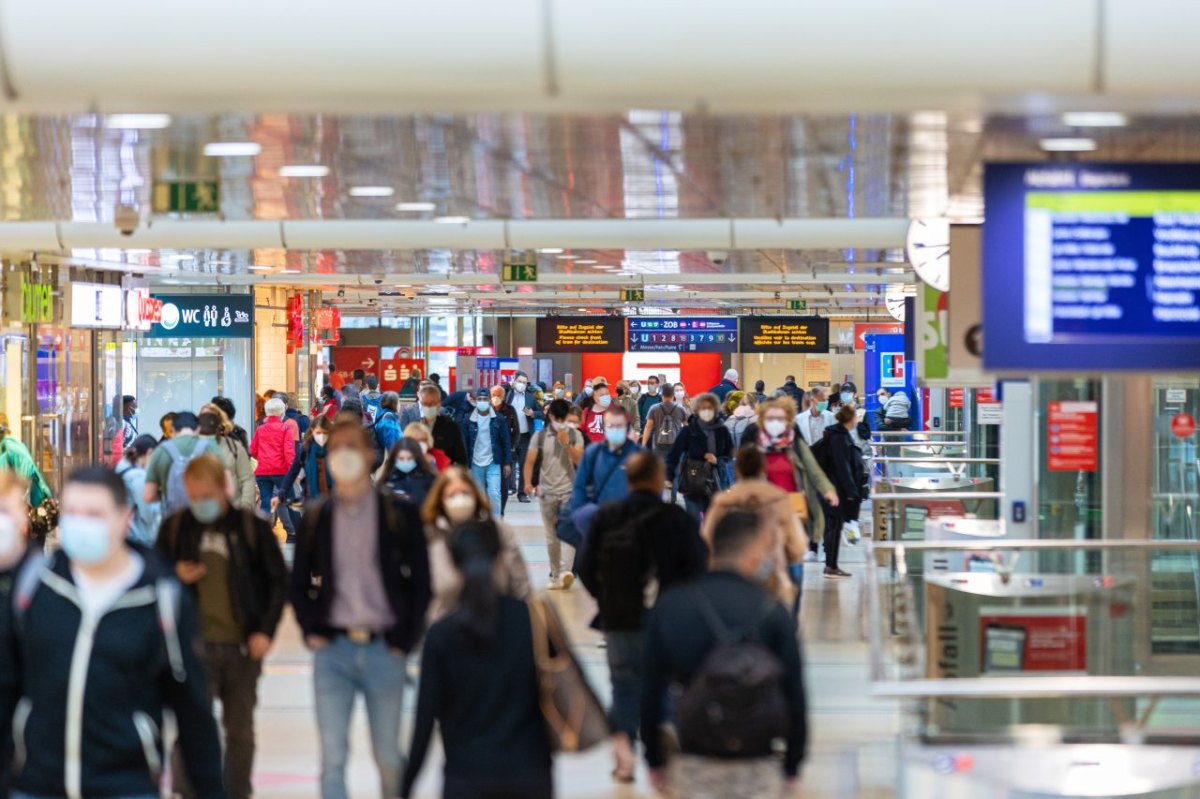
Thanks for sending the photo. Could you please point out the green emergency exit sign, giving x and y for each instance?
(188, 196)
(633, 295)
(520, 273)
(797, 305)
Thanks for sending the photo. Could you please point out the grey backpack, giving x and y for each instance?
(175, 496)
(668, 431)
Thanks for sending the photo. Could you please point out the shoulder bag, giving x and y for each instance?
(575, 719)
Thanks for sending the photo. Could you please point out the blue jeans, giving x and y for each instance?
(488, 478)
(696, 506)
(625, 668)
(341, 671)
(267, 486)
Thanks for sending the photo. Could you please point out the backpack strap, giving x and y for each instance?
(711, 617)
(169, 600)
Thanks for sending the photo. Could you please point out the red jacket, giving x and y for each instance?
(274, 446)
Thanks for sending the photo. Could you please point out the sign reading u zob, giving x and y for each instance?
(205, 316)
(785, 334)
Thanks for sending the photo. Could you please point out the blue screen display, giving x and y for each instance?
(683, 334)
(1091, 266)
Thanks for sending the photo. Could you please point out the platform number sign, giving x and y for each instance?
(892, 369)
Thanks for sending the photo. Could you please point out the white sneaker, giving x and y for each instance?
(810, 557)
(853, 532)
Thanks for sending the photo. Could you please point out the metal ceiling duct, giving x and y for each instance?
(384, 57)
(334, 234)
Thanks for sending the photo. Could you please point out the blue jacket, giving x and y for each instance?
(300, 419)
(723, 389)
(601, 474)
(531, 401)
(387, 430)
(410, 414)
(501, 440)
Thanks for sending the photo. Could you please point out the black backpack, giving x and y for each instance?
(823, 453)
(625, 568)
(735, 706)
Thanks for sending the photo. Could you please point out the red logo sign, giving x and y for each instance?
(1183, 425)
(395, 373)
(862, 330)
(150, 311)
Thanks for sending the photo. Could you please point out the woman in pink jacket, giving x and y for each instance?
(274, 447)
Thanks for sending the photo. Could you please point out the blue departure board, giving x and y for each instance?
(1091, 266)
(683, 334)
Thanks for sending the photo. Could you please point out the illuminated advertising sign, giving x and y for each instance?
(683, 334)
(581, 334)
(791, 334)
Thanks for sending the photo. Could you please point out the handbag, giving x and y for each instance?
(799, 502)
(575, 719)
(697, 478)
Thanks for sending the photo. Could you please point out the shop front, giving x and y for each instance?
(200, 347)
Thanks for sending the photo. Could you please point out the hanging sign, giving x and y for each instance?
(37, 301)
(861, 330)
(205, 316)
(295, 323)
(347, 360)
(785, 334)
(141, 310)
(1071, 436)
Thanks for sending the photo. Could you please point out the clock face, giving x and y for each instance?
(893, 300)
(928, 250)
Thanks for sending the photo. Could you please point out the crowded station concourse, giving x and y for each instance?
(612, 415)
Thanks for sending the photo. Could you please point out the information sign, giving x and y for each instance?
(1183, 425)
(784, 334)
(346, 360)
(520, 273)
(96, 305)
(863, 329)
(205, 316)
(683, 334)
(581, 334)
(1071, 436)
(989, 413)
(633, 295)
(797, 305)
(188, 196)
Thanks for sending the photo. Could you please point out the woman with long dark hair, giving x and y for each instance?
(406, 472)
(318, 480)
(694, 463)
(479, 683)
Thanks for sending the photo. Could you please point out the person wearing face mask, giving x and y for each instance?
(132, 469)
(508, 415)
(446, 431)
(649, 398)
(558, 449)
(600, 477)
(117, 614)
(697, 455)
(559, 390)
(407, 472)
(818, 417)
(682, 399)
(489, 445)
(727, 385)
(584, 398)
(229, 560)
(593, 413)
(742, 416)
(686, 626)
(632, 542)
(360, 591)
(527, 410)
(317, 482)
(456, 499)
(848, 473)
(628, 400)
(792, 467)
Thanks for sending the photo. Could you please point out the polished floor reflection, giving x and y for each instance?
(852, 743)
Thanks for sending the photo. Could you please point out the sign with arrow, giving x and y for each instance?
(348, 359)
(861, 331)
(633, 295)
(514, 272)
(797, 305)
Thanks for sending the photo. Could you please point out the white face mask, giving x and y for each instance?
(460, 507)
(558, 425)
(707, 415)
(321, 438)
(9, 535)
(429, 411)
(519, 388)
(347, 465)
(775, 427)
(573, 425)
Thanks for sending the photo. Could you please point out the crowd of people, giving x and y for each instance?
(166, 583)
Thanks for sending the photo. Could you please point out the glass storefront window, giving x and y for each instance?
(1069, 502)
(184, 374)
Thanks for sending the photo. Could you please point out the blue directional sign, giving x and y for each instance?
(205, 316)
(683, 334)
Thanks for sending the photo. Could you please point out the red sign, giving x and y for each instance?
(985, 396)
(956, 398)
(467, 350)
(1033, 643)
(295, 323)
(1072, 437)
(861, 331)
(395, 373)
(327, 324)
(1183, 425)
(347, 359)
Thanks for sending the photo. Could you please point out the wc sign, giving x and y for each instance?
(892, 369)
(205, 316)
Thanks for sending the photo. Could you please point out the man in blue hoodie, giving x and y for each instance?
(601, 476)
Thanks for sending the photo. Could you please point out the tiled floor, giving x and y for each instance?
(851, 748)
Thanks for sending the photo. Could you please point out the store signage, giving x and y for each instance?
(784, 334)
(683, 334)
(862, 330)
(1183, 425)
(96, 305)
(985, 396)
(893, 370)
(295, 323)
(933, 328)
(954, 397)
(1091, 267)
(347, 360)
(37, 302)
(187, 196)
(327, 324)
(205, 316)
(581, 334)
(1072, 438)
(141, 310)
(395, 373)
(466, 350)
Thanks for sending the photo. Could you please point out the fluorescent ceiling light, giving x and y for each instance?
(260, 268)
(452, 220)
(550, 250)
(585, 261)
(583, 310)
(1095, 119)
(233, 149)
(566, 257)
(290, 271)
(138, 121)
(416, 206)
(303, 171)
(1067, 144)
(372, 191)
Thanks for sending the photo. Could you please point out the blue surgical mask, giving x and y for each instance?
(604, 401)
(405, 466)
(616, 435)
(559, 393)
(822, 406)
(84, 539)
(483, 406)
(847, 396)
(206, 511)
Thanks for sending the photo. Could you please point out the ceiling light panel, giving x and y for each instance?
(232, 149)
(303, 171)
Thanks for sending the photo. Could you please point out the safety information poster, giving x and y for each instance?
(1071, 436)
